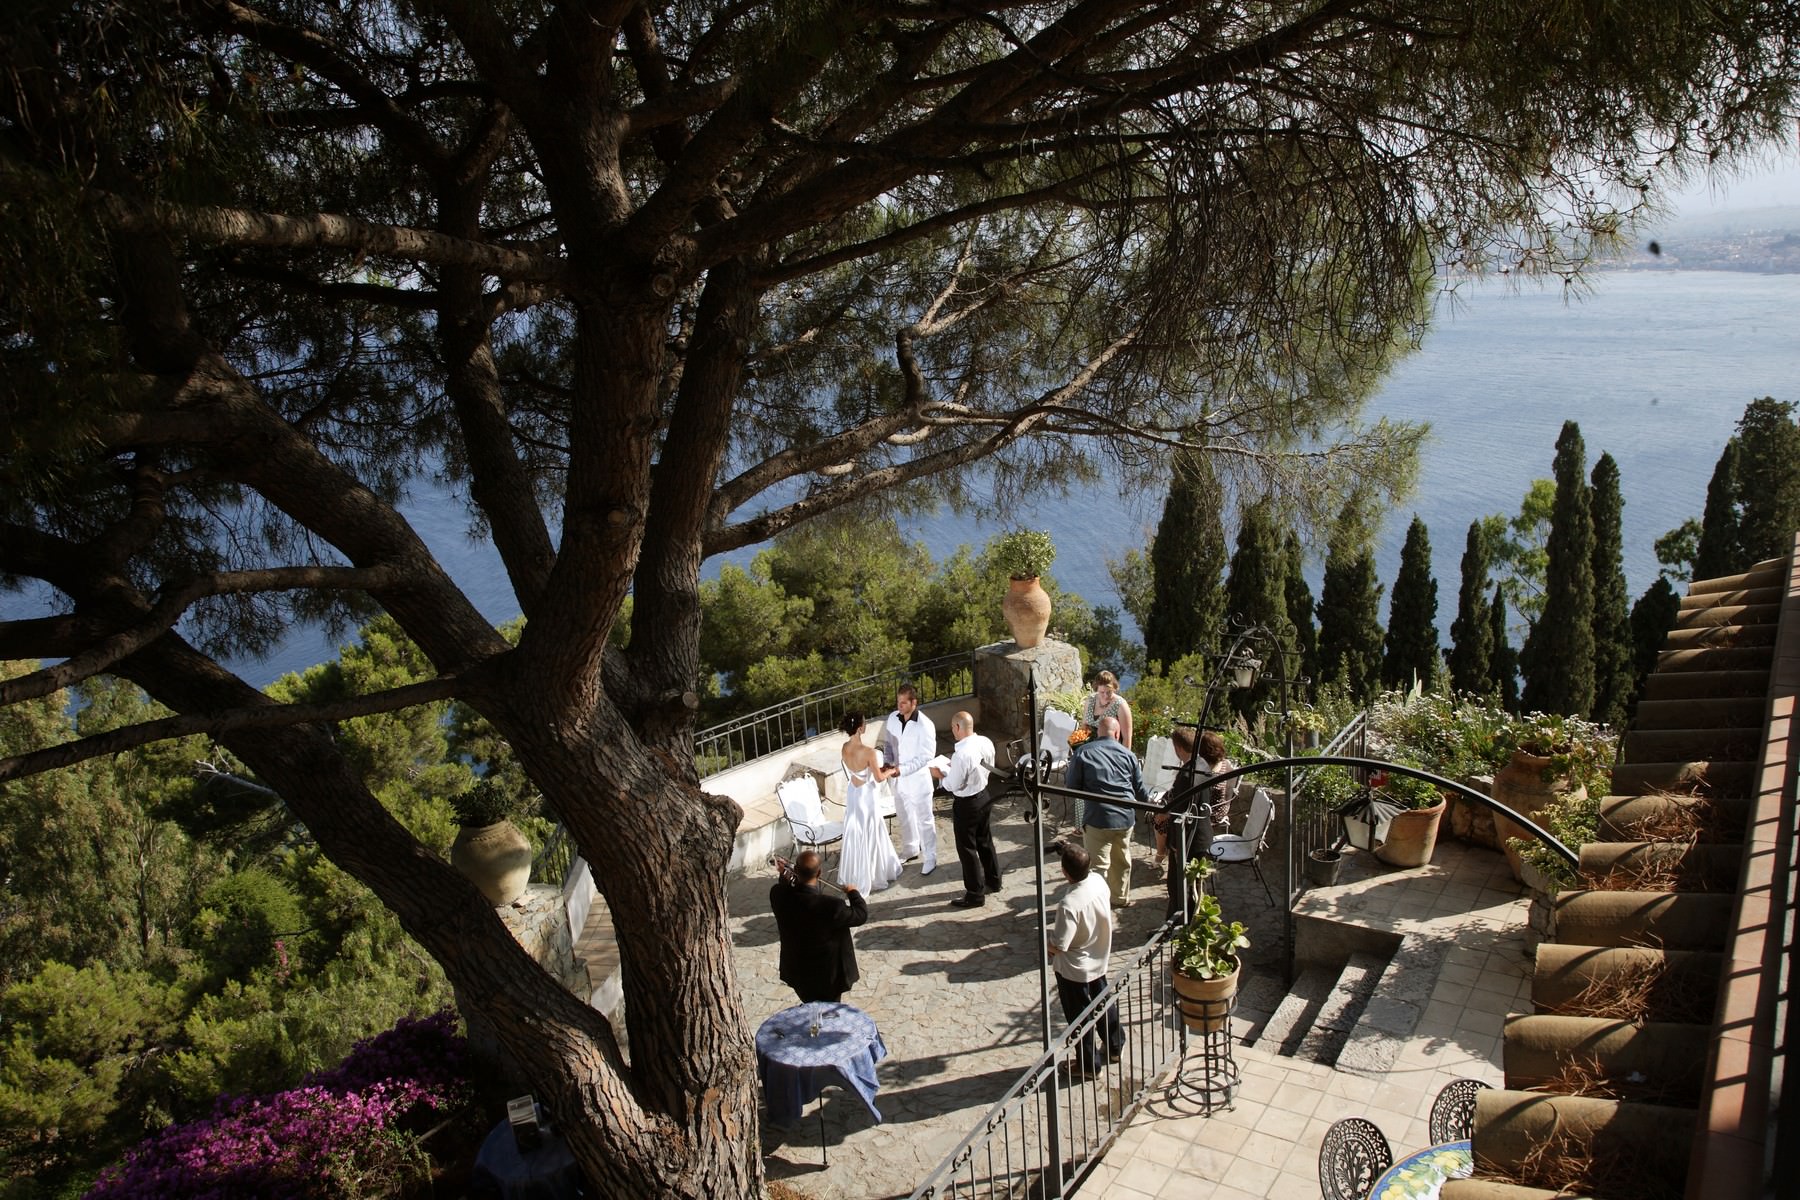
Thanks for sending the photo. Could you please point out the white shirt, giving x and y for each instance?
(914, 744)
(969, 766)
(1083, 930)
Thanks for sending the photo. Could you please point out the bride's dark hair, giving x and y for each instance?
(851, 723)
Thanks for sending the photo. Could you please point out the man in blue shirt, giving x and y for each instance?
(1103, 766)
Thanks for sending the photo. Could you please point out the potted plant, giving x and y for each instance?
(1411, 832)
(489, 849)
(1550, 756)
(1323, 865)
(1024, 554)
(1308, 725)
(1204, 957)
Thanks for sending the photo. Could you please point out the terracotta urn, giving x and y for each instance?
(495, 858)
(1522, 787)
(1411, 836)
(1027, 610)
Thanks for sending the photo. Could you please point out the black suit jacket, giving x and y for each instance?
(817, 954)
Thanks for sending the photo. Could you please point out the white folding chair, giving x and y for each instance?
(1058, 725)
(1159, 764)
(1247, 847)
(805, 813)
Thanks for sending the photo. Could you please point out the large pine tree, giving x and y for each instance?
(1350, 615)
(1768, 481)
(1412, 633)
(1503, 664)
(1717, 553)
(1300, 609)
(1256, 591)
(1471, 638)
(1614, 677)
(1558, 658)
(1187, 605)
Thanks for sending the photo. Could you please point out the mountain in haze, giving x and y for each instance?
(1765, 241)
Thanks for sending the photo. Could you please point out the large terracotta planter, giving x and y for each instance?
(1521, 786)
(1205, 1003)
(1411, 836)
(496, 858)
(1027, 610)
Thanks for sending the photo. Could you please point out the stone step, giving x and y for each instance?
(1635, 818)
(1737, 743)
(1705, 684)
(1672, 920)
(1662, 865)
(1770, 594)
(1570, 979)
(1330, 1030)
(1720, 637)
(1683, 660)
(1685, 776)
(1293, 1016)
(1768, 573)
(1702, 712)
(1701, 616)
(1656, 1059)
(1513, 1127)
(1495, 1189)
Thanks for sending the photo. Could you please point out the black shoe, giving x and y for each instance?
(969, 900)
(992, 889)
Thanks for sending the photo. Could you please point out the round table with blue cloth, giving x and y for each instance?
(801, 1049)
(1422, 1174)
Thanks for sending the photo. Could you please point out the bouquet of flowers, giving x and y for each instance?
(1082, 733)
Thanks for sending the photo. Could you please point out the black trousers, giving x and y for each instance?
(1076, 996)
(1197, 833)
(975, 842)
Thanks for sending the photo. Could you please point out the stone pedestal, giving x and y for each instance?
(1002, 682)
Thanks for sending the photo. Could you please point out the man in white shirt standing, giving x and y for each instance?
(911, 741)
(1080, 945)
(966, 778)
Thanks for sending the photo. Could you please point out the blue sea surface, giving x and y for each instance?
(1656, 366)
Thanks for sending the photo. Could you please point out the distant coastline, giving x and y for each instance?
(1759, 241)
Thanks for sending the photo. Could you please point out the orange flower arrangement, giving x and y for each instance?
(1080, 735)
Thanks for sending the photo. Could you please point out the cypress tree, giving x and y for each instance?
(1768, 481)
(1718, 550)
(1471, 637)
(1614, 678)
(1651, 619)
(1187, 607)
(1300, 608)
(1503, 665)
(1412, 635)
(1256, 590)
(1558, 657)
(1349, 616)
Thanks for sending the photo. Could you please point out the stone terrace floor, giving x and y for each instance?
(955, 995)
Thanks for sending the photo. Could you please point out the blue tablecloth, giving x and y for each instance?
(801, 1049)
(1422, 1174)
(547, 1172)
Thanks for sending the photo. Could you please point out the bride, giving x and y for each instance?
(868, 861)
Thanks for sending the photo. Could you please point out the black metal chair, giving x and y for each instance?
(1453, 1112)
(1351, 1158)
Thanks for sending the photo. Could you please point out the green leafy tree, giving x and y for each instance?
(1256, 592)
(1412, 633)
(1187, 560)
(651, 283)
(1300, 607)
(1768, 481)
(1614, 671)
(1519, 549)
(1652, 617)
(1505, 661)
(1717, 552)
(1557, 659)
(1678, 550)
(1471, 633)
(1349, 615)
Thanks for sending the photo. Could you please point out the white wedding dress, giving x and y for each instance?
(868, 861)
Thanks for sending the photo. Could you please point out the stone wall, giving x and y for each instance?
(1002, 682)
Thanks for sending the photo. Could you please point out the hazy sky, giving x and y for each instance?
(1771, 181)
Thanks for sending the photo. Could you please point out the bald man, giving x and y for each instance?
(967, 779)
(1103, 766)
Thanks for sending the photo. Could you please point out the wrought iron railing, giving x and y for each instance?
(1046, 1134)
(1317, 825)
(554, 862)
(769, 730)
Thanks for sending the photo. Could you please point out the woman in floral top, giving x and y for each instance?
(1105, 701)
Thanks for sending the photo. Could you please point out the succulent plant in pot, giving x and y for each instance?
(1024, 554)
(489, 849)
(1204, 954)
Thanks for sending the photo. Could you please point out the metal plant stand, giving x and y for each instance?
(1208, 1076)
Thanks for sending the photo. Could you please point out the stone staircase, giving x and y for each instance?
(1615, 1051)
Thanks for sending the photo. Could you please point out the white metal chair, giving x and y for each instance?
(805, 812)
(1058, 725)
(1247, 847)
(1159, 764)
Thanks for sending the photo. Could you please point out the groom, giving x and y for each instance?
(911, 741)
